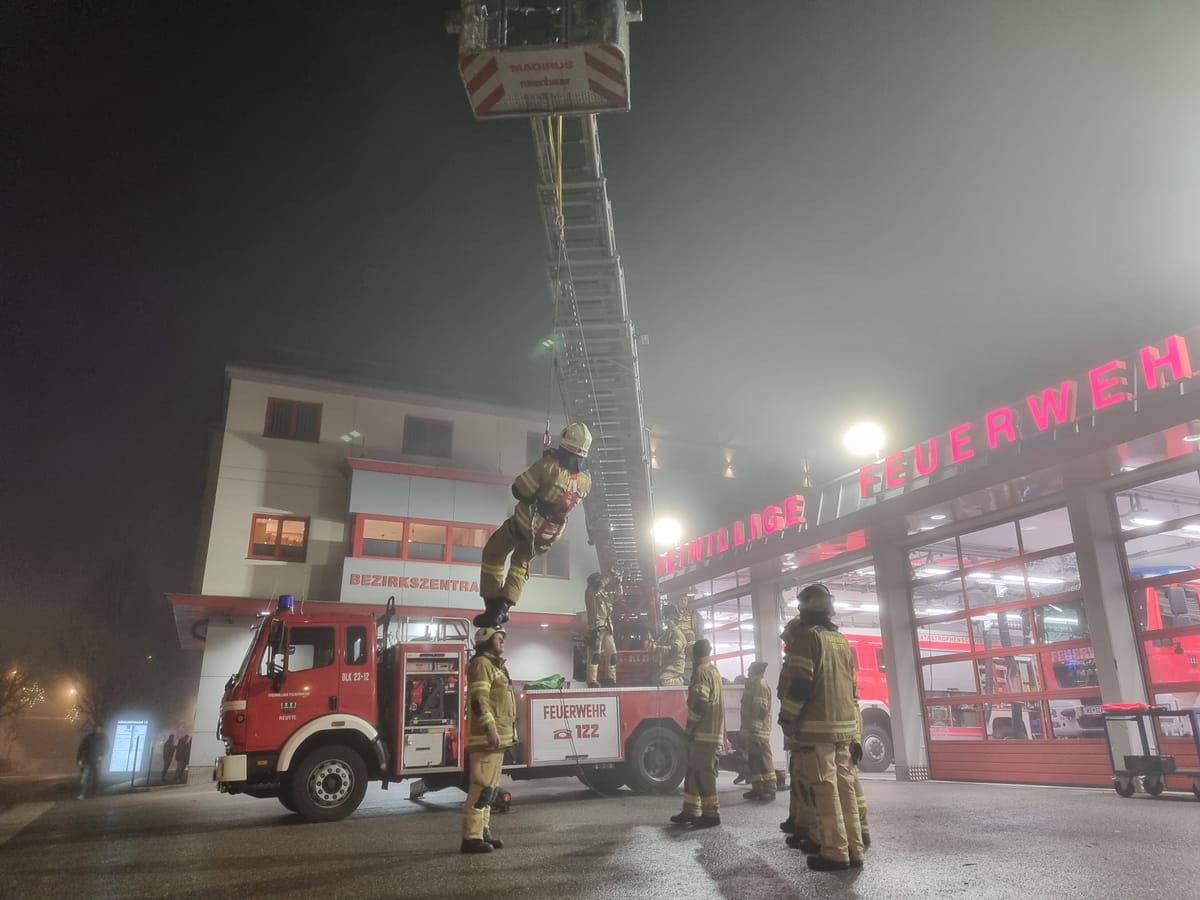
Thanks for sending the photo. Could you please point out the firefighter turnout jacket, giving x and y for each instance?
(756, 709)
(672, 645)
(818, 694)
(491, 704)
(599, 602)
(546, 493)
(706, 714)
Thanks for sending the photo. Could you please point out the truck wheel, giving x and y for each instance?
(603, 781)
(657, 761)
(1154, 785)
(285, 797)
(329, 783)
(1124, 786)
(877, 749)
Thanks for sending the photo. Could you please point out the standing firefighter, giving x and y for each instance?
(546, 493)
(818, 700)
(602, 592)
(706, 733)
(671, 646)
(756, 734)
(491, 729)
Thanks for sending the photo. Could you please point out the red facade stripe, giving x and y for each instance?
(485, 105)
(482, 76)
(605, 69)
(394, 468)
(617, 99)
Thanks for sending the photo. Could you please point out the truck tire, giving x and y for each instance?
(328, 784)
(656, 762)
(603, 781)
(877, 749)
(285, 797)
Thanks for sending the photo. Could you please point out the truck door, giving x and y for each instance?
(309, 687)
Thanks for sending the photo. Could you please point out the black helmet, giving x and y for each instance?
(701, 649)
(595, 579)
(816, 599)
(670, 612)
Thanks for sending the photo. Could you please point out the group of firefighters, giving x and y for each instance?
(817, 690)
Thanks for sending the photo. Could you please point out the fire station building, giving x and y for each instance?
(1000, 581)
(340, 492)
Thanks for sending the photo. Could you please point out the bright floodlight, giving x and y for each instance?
(864, 439)
(667, 532)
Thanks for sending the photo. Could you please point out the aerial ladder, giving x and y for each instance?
(559, 64)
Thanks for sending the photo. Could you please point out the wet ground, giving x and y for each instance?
(929, 840)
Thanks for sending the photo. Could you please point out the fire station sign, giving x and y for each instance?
(584, 728)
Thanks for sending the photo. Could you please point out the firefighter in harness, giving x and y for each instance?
(546, 493)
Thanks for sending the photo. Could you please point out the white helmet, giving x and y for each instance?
(575, 439)
(485, 634)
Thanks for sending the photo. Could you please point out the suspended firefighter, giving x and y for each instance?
(546, 493)
(602, 592)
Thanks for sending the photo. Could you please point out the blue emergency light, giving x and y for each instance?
(285, 603)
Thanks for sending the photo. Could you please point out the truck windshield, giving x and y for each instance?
(237, 676)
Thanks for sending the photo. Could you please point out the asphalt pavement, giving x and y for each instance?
(561, 841)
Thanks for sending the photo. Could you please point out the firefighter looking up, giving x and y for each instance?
(705, 733)
(691, 623)
(671, 646)
(546, 493)
(756, 734)
(818, 699)
(602, 592)
(491, 729)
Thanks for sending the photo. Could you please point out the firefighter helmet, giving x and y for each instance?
(670, 612)
(816, 599)
(595, 579)
(484, 635)
(702, 649)
(576, 439)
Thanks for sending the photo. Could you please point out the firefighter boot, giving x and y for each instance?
(475, 845)
(489, 838)
(496, 613)
(683, 818)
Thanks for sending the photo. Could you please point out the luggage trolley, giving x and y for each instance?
(1130, 726)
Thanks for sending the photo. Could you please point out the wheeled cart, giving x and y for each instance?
(1133, 747)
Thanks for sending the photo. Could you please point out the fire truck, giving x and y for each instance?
(324, 703)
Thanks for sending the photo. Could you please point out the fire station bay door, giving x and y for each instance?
(430, 738)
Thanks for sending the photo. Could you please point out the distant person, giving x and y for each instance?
(168, 752)
(602, 592)
(706, 734)
(90, 758)
(491, 729)
(183, 755)
(671, 648)
(756, 734)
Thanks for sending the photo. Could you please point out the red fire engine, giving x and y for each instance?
(324, 703)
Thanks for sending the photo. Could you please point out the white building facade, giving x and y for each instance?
(342, 493)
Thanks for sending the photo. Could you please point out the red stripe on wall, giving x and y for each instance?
(394, 468)
(1081, 762)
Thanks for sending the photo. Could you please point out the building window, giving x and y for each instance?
(427, 437)
(420, 541)
(278, 537)
(293, 420)
(554, 563)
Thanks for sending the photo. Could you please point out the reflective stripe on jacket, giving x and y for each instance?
(706, 715)
(491, 703)
(818, 694)
(554, 490)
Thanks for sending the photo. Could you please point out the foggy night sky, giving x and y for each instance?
(907, 211)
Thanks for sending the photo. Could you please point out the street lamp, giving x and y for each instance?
(864, 439)
(667, 532)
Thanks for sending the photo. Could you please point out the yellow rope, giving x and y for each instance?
(556, 160)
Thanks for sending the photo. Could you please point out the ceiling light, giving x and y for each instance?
(544, 625)
(937, 517)
(1142, 520)
(933, 570)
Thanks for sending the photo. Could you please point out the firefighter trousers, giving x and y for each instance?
(505, 540)
(484, 769)
(827, 788)
(762, 764)
(604, 650)
(804, 815)
(700, 784)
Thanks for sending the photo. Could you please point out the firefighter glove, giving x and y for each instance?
(493, 739)
(856, 754)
